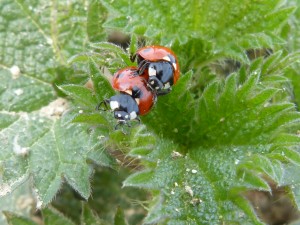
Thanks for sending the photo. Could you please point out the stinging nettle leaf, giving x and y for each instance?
(222, 30)
(106, 46)
(67, 150)
(89, 217)
(80, 94)
(14, 219)
(230, 147)
(52, 216)
(11, 202)
(93, 118)
(23, 92)
(120, 217)
(54, 150)
(102, 84)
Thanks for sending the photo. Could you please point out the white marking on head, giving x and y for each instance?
(156, 88)
(167, 85)
(167, 58)
(152, 82)
(126, 116)
(137, 100)
(114, 105)
(151, 71)
(133, 115)
(119, 115)
(129, 92)
(174, 65)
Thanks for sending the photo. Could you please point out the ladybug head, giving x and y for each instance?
(124, 107)
(161, 76)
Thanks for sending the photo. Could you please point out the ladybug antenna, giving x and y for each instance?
(121, 123)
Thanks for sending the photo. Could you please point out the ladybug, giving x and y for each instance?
(124, 107)
(135, 97)
(127, 81)
(160, 65)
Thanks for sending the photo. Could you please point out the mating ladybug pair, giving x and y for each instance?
(157, 71)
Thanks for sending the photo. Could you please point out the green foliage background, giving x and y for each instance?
(230, 125)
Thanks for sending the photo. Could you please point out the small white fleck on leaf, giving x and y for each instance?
(19, 150)
(189, 190)
(49, 41)
(19, 92)
(15, 72)
(4, 189)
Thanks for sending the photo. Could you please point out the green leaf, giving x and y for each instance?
(14, 219)
(245, 205)
(289, 154)
(190, 194)
(165, 113)
(95, 18)
(293, 182)
(105, 46)
(108, 194)
(21, 91)
(67, 159)
(81, 94)
(53, 150)
(142, 179)
(211, 28)
(52, 216)
(133, 45)
(120, 217)
(19, 202)
(102, 84)
(228, 146)
(142, 142)
(252, 180)
(93, 118)
(37, 39)
(89, 217)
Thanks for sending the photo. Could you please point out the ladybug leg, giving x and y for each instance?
(163, 92)
(142, 66)
(120, 123)
(132, 57)
(136, 92)
(155, 83)
(138, 119)
(104, 102)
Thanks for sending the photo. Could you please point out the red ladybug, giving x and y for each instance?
(127, 81)
(160, 65)
(135, 97)
(124, 107)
